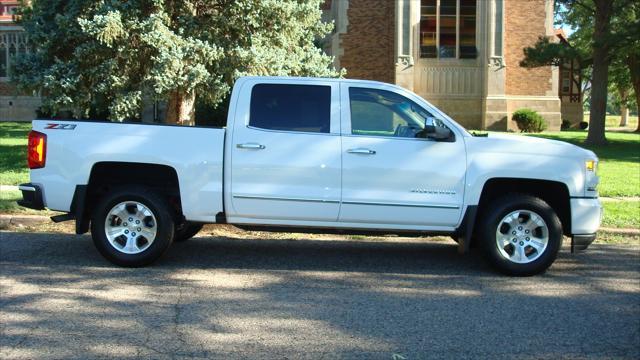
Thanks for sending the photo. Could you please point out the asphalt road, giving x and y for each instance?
(230, 298)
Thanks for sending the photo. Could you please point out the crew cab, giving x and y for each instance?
(311, 154)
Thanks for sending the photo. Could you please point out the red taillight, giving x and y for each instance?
(36, 150)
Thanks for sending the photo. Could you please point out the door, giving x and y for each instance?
(392, 174)
(285, 161)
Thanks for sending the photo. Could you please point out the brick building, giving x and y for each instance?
(461, 55)
(13, 42)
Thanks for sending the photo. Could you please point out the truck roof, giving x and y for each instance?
(306, 78)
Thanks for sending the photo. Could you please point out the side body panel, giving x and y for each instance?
(195, 153)
(524, 157)
(282, 175)
(407, 181)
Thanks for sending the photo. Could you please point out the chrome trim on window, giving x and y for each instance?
(398, 138)
(292, 132)
(327, 201)
(26, 188)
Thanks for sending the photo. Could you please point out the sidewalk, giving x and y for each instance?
(619, 198)
(31, 220)
(9, 188)
(602, 198)
(21, 220)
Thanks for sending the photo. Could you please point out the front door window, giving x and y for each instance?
(384, 113)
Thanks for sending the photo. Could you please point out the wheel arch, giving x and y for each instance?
(554, 193)
(105, 176)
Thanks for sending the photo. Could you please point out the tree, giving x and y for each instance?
(633, 61)
(605, 30)
(112, 54)
(620, 88)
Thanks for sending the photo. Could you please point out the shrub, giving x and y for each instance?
(566, 125)
(529, 121)
(584, 125)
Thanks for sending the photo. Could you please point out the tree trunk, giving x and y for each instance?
(600, 77)
(598, 108)
(637, 90)
(624, 115)
(633, 61)
(181, 108)
(624, 109)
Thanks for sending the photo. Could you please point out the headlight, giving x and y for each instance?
(591, 180)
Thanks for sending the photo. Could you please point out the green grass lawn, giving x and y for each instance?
(614, 121)
(619, 160)
(8, 205)
(619, 168)
(621, 214)
(13, 153)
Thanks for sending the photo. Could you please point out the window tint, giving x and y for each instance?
(284, 107)
(384, 113)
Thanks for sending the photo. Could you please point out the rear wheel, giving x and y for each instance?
(521, 235)
(186, 231)
(132, 226)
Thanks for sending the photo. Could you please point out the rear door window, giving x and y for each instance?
(284, 107)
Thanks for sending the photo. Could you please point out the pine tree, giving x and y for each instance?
(109, 55)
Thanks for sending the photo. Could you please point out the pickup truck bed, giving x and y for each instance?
(75, 149)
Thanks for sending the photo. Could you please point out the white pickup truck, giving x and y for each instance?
(309, 154)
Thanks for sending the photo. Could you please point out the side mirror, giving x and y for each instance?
(438, 133)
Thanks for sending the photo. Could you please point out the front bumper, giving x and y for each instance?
(31, 196)
(586, 216)
(581, 242)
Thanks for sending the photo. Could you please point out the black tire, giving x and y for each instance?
(164, 226)
(488, 235)
(186, 231)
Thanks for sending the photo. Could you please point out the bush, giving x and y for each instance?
(529, 121)
(584, 125)
(566, 125)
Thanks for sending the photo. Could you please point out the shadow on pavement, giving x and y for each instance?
(245, 298)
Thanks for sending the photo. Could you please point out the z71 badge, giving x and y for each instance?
(61, 126)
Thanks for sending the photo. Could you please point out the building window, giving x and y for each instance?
(12, 44)
(570, 81)
(497, 33)
(448, 29)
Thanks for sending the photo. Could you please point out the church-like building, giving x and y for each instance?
(461, 55)
(14, 106)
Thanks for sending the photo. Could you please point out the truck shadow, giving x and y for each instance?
(419, 257)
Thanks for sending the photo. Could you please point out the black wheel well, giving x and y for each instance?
(105, 176)
(554, 193)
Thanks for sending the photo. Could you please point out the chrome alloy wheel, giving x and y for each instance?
(130, 227)
(522, 236)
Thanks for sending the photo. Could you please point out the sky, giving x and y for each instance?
(567, 30)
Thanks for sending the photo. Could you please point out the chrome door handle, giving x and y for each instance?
(250, 146)
(361, 151)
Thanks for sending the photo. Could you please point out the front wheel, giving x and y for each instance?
(521, 235)
(132, 226)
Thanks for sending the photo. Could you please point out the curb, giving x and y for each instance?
(620, 231)
(28, 220)
(22, 220)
